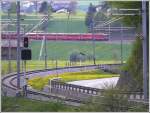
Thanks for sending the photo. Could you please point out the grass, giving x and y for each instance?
(38, 65)
(105, 54)
(67, 26)
(58, 24)
(79, 14)
(40, 82)
(62, 50)
(14, 104)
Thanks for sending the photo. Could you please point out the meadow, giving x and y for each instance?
(61, 50)
(13, 104)
(58, 23)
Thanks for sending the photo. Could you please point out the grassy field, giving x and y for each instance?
(14, 104)
(40, 82)
(59, 22)
(62, 49)
(38, 65)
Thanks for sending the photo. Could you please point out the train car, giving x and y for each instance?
(60, 36)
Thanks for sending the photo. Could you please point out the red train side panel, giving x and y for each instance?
(60, 36)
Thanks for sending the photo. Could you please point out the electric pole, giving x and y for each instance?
(93, 41)
(45, 45)
(145, 65)
(18, 44)
(121, 44)
(9, 49)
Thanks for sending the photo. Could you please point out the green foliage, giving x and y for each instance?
(13, 7)
(134, 63)
(109, 102)
(44, 7)
(14, 104)
(40, 82)
(90, 15)
(5, 67)
(112, 101)
(129, 20)
(100, 16)
(38, 65)
(138, 108)
(62, 50)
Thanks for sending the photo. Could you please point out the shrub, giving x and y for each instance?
(110, 101)
(134, 65)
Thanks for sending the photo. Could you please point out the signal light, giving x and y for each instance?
(26, 54)
(25, 41)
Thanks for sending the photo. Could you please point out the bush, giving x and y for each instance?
(138, 108)
(134, 65)
(109, 102)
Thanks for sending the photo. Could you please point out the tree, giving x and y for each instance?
(110, 101)
(134, 65)
(13, 7)
(129, 20)
(45, 8)
(76, 57)
(90, 15)
(72, 7)
(99, 16)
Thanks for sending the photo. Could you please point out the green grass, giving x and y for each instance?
(14, 104)
(67, 26)
(58, 24)
(79, 14)
(63, 49)
(38, 65)
(40, 82)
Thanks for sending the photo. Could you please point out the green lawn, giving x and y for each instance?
(67, 26)
(105, 54)
(14, 104)
(40, 82)
(38, 65)
(62, 50)
(59, 22)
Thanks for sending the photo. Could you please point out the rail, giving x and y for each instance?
(78, 91)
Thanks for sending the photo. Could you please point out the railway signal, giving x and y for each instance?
(25, 41)
(26, 52)
(25, 55)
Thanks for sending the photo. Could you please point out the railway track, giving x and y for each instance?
(9, 84)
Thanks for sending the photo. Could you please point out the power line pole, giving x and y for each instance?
(109, 32)
(18, 44)
(45, 52)
(9, 49)
(45, 44)
(121, 44)
(93, 41)
(145, 65)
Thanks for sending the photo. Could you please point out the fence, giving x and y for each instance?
(82, 93)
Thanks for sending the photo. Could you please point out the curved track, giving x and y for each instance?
(10, 79)
(9, 82)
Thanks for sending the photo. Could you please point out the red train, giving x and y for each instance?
(60, 36)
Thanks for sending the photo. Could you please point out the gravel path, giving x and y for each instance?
(97, 83)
